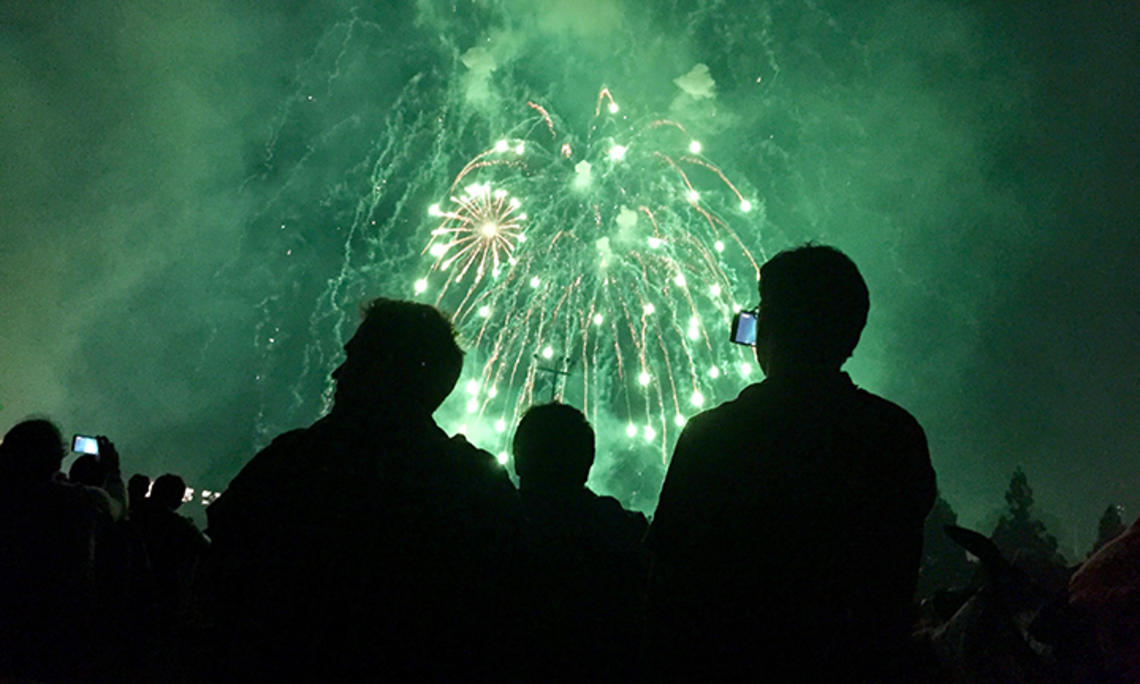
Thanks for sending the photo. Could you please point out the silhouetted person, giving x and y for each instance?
(370, 544)
(1106, 590)
(137, 488)
(586, 568)
(123, 581)
(48, 530)
(175, 548)
(788, 535)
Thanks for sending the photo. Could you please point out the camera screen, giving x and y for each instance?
(84, 445)
(744, 328)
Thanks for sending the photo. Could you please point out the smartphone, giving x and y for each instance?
(82, 444)
(744, 328)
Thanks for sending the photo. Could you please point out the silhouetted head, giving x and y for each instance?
(402, 354)
(137, 488)
(554, 447)
(813, 306)
(168, 491)
(32, 451)
(86, 470)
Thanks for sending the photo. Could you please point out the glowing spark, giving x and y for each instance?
(631, 430)
(482, 230)
(695, 147)
(617, 152)
(643, 379)
(421, 285)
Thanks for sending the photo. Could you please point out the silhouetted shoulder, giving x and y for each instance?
(249, 498)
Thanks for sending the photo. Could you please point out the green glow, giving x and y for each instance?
(473, 387)
(626, 255)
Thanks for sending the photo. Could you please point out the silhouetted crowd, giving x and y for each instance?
(786, 545)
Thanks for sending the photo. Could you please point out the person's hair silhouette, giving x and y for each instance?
(553, 447)
(402, 353)
(31, 451)
(168, 492)
(813, 306)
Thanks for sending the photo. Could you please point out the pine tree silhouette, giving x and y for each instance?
(1018, 533)
(1111, 525)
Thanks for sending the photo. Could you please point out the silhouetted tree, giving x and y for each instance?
(1018, 534)
(1111, 526)
(944, 563)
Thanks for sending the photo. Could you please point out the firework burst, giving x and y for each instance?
(604, 292)
(481, 230)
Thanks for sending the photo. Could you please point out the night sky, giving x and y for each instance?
(186, 199)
